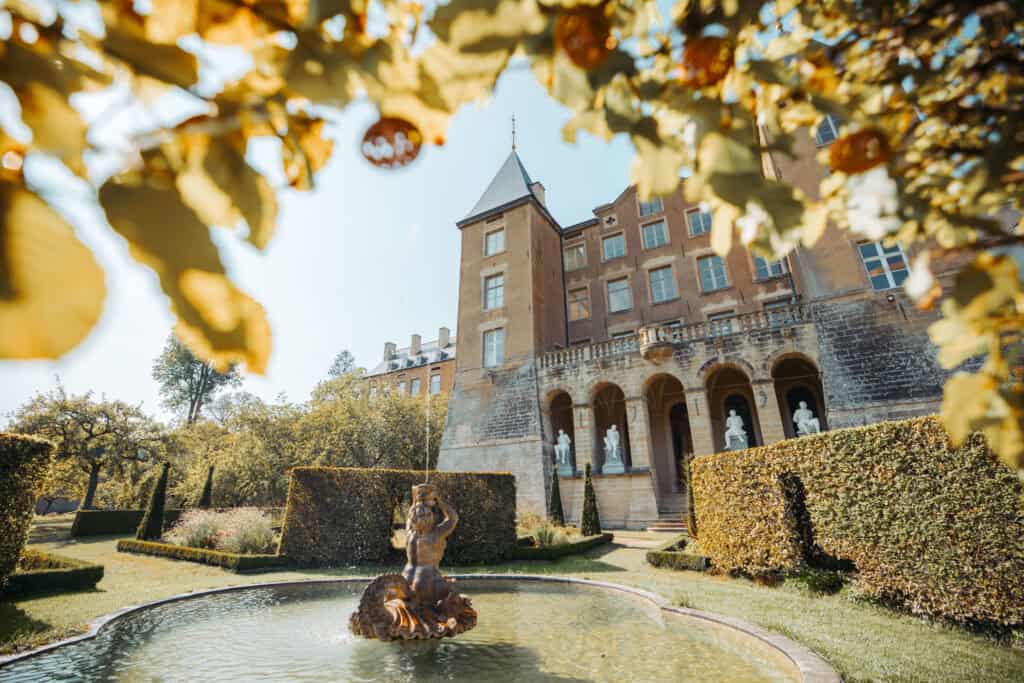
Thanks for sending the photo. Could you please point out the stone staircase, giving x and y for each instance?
(670, 514)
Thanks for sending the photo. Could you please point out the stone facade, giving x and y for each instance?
(620, 321)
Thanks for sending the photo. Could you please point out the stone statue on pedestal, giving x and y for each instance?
(735, 433)
(612, 453)
(419, 603)
(563, 453)
(805, 421)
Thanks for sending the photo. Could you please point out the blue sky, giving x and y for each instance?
(370, 256)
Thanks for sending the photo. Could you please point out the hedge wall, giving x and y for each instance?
(554, 552)
(40, 572)
(936, 529)
(24, 466)
(672, 555)
(340, 516)
(109, 522)
(232, 561)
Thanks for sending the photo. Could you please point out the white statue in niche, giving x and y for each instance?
(612, 454)
(805, 421)
(563, 452)
(735, 434)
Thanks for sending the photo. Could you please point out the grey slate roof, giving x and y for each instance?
(429, 353)
(512, 182)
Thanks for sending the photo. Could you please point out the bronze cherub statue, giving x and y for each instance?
(419, 603)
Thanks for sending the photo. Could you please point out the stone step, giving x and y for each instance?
(664, 525)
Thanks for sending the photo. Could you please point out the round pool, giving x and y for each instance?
(527, 631)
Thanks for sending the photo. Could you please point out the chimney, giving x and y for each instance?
(415, 346)
(538, 191)
(443, 337)
(389, 350)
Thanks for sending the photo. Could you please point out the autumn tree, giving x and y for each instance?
(930, 150)
(187, 383)
(92, 437)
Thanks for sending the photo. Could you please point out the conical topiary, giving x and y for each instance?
(206, 499)
(691, 513)
(590, 523)
(151, 528)
(555, 513)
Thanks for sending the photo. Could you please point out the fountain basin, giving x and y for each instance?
(530, 629)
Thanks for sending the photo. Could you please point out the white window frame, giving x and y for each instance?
(498, 292)
(373, 391)
(582, 246)
(673, 294)
(690, 213)
(604, 240)
(882, 257)
(629, 295)
(717, 286)
(586, 303)
(654, 207)
(401, 386)
(414, 386)
(720, 324)
(487, 241)
(783, 268)
(830, 127)
(434, 387)
(495, 356)
(664, 233)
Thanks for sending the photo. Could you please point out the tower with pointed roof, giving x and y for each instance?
(511, 308)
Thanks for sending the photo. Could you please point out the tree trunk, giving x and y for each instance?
(94, 480)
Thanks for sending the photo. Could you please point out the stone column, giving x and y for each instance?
(639, 432)
(768, 413)
(699, 412)
(583, 435)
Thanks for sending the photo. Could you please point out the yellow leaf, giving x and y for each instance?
(51, 290)
(966, 399)
(655, 167)
(165, 63)
(722, 221)
(219, 322)
(956, 340)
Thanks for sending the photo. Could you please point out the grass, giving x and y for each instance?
(863, 641)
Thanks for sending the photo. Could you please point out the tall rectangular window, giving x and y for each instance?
(414, 386)
(494, 292)
(373, 391)
(401, 387)
(494, 347)
(720, 323)
(663, 285)
(827, 132)
(435, 384)
(778, 313)
(765, 269)
(579, 304)
(494, 242)
(698, 221)
(886, 266)
(712, 273)
(654, 234)
(613, 246)
(652, 207)
(575, 256)
(619, 297)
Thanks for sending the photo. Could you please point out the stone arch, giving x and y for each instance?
(797, 379)
(728, 389)
(670, 438)
(715, 364)
(608, 402)
(558, 409)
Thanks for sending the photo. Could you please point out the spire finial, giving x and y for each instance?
(513, 132)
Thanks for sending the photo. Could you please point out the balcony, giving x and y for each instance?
(655, 342)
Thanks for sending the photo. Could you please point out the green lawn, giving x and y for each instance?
(864, 642)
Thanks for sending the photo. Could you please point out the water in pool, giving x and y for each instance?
(527, 631)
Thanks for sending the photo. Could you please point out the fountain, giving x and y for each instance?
(420, 602)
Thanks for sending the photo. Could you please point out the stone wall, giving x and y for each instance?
(624, 501)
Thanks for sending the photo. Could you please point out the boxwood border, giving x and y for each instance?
(230, 561)
(554, 552)
(666, 557)
(73, 575)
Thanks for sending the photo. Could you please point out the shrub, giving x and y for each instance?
(196, 529)
(247, 531)
(339, 516)
(678, 552)
(550, 535)
(568, 547)
(590, 523)
(151, 528)
(231, 561)
(110, 522)
(40, 572)
(555, 512)
(24, 465)
(936, 529)
(206, 498)
(691, 514)
(823, 581)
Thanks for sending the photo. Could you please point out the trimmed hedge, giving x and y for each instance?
(110, 522)
(555, 512)
(151, 528)
(341, 516)
(553, 552)
(24, 466)
(232, 561)
(590, 520)
(40, 572)
(936, 529)
(672, 555)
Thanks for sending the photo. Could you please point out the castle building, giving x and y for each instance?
(626, 333)
(415, 369)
